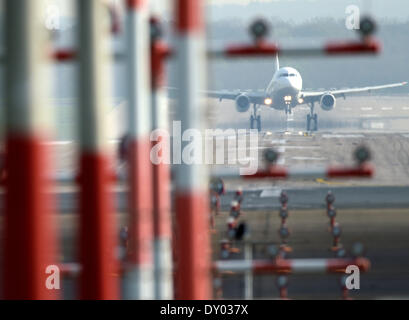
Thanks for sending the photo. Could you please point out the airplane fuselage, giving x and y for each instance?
(284, 89)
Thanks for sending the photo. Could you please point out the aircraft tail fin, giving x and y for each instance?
(277, 63)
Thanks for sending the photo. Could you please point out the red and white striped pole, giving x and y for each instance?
(139, 280)
(30, 241)
(364, 170)
(191, 194)
(293, 266)
(99, 264)
(161, 170)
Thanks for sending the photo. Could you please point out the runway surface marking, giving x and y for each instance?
(370, 115)
(330, 183)
(366, 108)
(281, 141)
(246, 159)
(250, 148)
(342, 136)
(309, 158)
(281, 161)
(386, 108)
(301, 147)
(377, 125)
(270, 193)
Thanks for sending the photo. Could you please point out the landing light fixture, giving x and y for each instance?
(268, 101)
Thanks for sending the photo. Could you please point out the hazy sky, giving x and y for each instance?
(294, 10)
(301, 10)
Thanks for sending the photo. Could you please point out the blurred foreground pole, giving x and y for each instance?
(139, 280)
(97, 224)
(161, 169)
(191, 195)
(30, 242)
(248, 276)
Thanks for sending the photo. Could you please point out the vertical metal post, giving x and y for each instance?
(30, 242)
(139, 280)
(191, 195)
(248, 276)
(161, 169)
(97, 222)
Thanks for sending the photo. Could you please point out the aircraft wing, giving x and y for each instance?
(253, 95)
(312, 96)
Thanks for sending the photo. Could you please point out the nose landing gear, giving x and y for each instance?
(255, 119)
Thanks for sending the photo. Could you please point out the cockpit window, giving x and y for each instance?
(287, 75)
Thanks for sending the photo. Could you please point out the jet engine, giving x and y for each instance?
(328, 102)
(242, 103)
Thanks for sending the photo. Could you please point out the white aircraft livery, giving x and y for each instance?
(284, 92)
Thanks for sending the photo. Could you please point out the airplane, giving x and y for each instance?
(284, 92)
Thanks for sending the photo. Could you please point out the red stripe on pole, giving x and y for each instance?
(140, 202)
(159, 53)
(188, 15)
(135, 4)
(97, 230)
(272, 172)
(353, 47)
(30, 243)
(192, 247)
(266, 266)
(365, 170)
(339, 265)
(261, 49)
(64, 55)
(279, 265)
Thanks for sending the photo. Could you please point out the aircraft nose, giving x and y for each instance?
(285, 82)
(295, 83)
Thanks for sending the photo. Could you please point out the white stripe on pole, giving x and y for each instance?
(192, 74)
(162, 209)
(163, 269)
(309, 265)
(234, 265)
(138, 48)
(32, 76)
(95, 90)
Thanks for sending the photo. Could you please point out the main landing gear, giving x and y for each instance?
(312, 117)
(255, 118)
